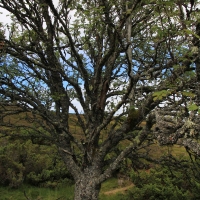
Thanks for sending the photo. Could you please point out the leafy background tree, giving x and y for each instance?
(124, 62)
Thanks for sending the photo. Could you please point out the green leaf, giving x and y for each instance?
(193, 107)
(192, 33)
(159, 95)
(188, 94)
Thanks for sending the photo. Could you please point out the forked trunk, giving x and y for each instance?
(87, 186)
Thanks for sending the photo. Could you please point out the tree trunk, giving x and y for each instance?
(87, 187)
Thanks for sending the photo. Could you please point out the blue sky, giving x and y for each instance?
(5, 19)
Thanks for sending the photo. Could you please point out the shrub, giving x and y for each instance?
(35, 164)
(162, 183)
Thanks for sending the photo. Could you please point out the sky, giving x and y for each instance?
(4, 18)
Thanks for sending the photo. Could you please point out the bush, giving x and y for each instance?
(162, 183)
(35, 164)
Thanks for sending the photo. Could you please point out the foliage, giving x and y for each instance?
(162, 183)
(24, 162)
(99, 59)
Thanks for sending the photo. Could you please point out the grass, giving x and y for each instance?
(36, 193)
(111, 197)
(109, 185)
(61, 193)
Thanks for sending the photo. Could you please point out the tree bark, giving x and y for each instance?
(87, 186)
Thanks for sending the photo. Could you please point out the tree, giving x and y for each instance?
(81, 51)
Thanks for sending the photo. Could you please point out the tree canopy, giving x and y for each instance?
(115, 65)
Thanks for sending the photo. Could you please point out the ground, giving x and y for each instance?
(121, 190)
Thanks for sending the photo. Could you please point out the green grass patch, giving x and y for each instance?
(36, 193)
(61, 193)
(108, 185)
(111, 197)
